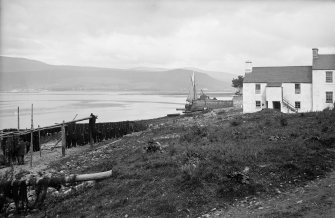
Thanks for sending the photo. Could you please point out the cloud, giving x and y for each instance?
(214, 35)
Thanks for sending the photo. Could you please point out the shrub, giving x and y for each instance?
(235, 122)
(283, 121)
(268, 122)
(191, 175)
(221, 112)
(194, 134)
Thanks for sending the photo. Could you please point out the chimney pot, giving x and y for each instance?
(248, 67)
(315, 53)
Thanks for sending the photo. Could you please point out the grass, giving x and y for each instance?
(190, 175)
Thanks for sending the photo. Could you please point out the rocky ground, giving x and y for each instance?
(315, 199)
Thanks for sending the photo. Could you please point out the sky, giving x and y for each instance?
(211, 35)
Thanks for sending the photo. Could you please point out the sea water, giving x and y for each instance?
(50, 107)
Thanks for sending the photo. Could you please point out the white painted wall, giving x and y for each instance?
(305, 96)
(320, 87)
(271, 94)
(250, 97)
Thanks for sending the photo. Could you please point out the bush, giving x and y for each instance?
(283, 121)
(194, 134)
(235, 122)
(189, 169)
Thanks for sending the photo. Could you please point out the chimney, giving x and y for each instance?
(315, 53)
(248, 67)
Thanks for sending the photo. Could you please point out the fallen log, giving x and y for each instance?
(58, 180)
(17, 189)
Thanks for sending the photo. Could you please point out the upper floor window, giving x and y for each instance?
(258, 104)
(297, 105)
(329, 97)
(297, 88)
(258, 88)
(329, 76)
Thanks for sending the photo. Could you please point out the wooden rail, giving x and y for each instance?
(6, 134)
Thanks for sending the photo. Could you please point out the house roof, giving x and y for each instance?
(289, 74)
(324, 62)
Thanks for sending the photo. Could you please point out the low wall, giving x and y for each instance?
(238, 101)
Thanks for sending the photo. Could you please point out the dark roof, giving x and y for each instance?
(324, 62)
(273, 84)
(290, 74)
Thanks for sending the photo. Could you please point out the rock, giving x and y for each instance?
(55, 194)
(90, 183)
(67, 192)
(246, 170)
(51, 190)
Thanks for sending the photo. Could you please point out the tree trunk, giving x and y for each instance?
(67, 179)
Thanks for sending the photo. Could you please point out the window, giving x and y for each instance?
(297, 105)
(258, 104)
(258, 88)
(297, 88)
(329, 97)
(329, 76)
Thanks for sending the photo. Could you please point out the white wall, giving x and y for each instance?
(320, 87)
(305, 96)
(273, 94)
(250, 97)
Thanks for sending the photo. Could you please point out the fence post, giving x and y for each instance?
(1, 142)
(63, 139)
(39, 140)
(31, 136)
(91, 138)
(18, 118)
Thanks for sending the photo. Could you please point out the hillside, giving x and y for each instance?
(21, 74)
(223, 164)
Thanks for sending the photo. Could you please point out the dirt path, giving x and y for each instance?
(315, 199)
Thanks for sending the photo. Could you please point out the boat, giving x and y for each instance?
(203, 102)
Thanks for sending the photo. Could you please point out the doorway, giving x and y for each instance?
(276, 105)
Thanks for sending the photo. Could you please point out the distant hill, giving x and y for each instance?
(21, 74)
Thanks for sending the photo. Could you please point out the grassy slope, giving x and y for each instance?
(190, 175)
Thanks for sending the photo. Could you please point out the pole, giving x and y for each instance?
(31, 136)
(63, 139)
(91, 138)
(18, 118)
(39, 140)
(1, 142)
(194, 89)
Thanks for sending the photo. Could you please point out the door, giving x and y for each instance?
(276, 105)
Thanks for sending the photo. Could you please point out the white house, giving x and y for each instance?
(291, 88)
